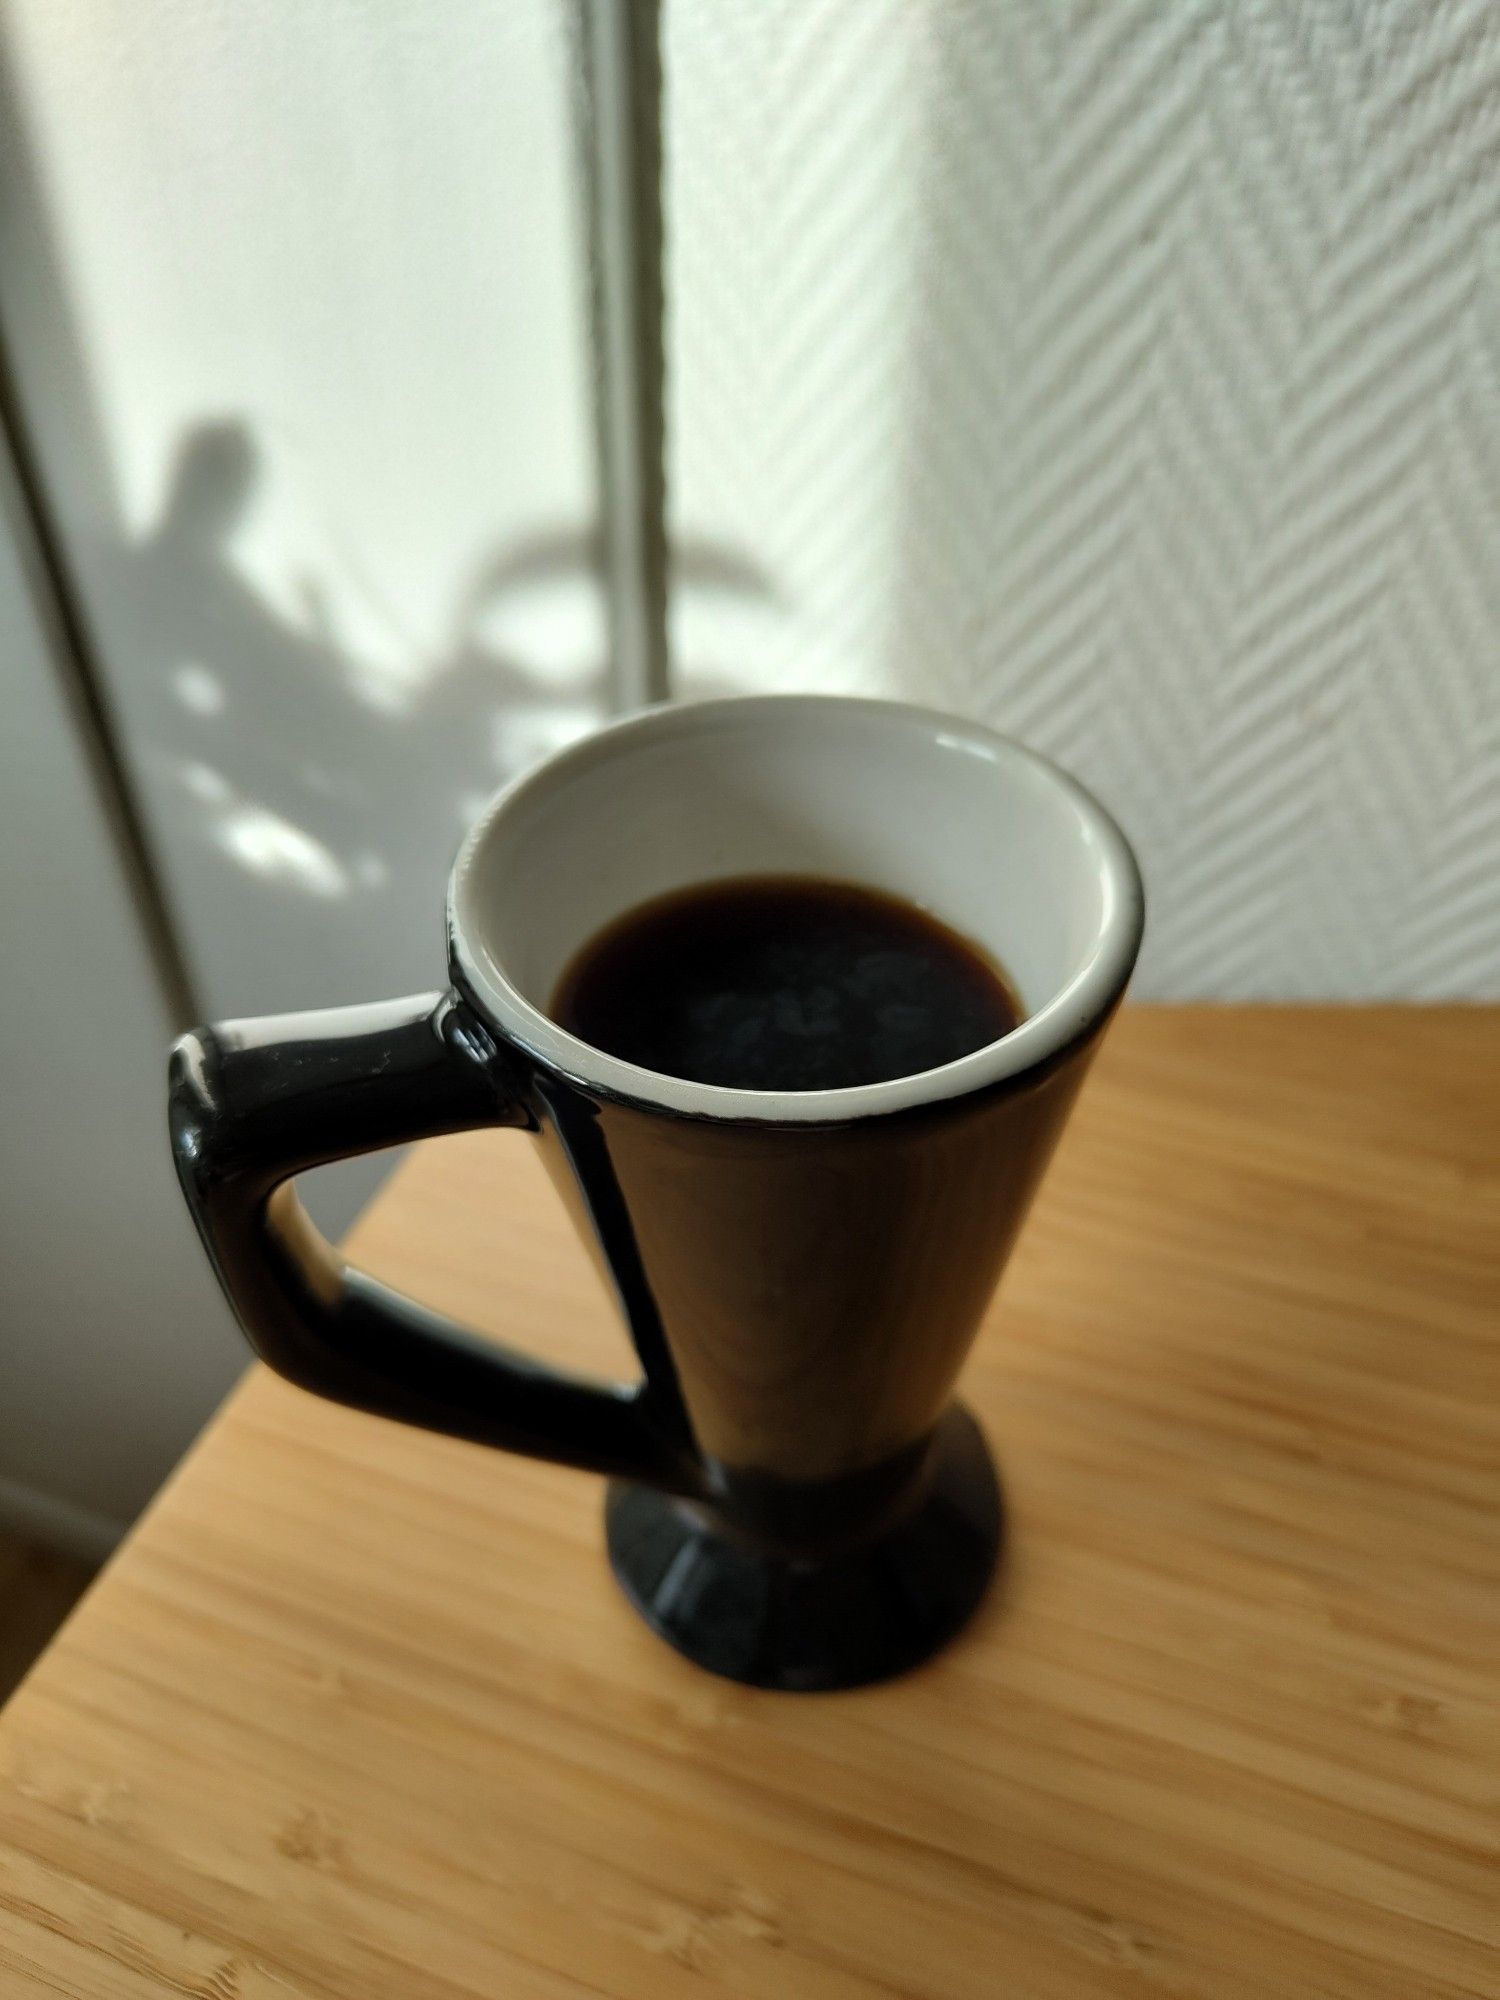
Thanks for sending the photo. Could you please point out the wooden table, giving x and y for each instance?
(358, 1712)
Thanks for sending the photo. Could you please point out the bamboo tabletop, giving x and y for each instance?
(358, 1712)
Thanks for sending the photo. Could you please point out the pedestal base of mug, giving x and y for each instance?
(862, 1615)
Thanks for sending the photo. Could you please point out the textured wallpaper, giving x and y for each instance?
(1127, 375)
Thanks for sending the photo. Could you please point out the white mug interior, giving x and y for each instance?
(967, 824)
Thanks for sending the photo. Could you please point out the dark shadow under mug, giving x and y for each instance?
(795, 1499)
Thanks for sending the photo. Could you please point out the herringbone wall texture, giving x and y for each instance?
(1127, 375)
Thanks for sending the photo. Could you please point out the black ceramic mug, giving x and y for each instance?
(795, 1498)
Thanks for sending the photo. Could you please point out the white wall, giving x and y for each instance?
(294, 302)
(1127, 375)
(295, 298)
(114, 1342)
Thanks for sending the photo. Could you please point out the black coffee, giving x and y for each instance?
(783, 982)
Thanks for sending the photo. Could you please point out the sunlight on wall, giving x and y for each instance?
(300, 319)
(271, 846)
(198, 690)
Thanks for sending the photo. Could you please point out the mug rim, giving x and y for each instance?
(1067, 1018)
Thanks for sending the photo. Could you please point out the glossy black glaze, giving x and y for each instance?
(801, 1298)
(254, 1102)
(846, 1618)
(818, 1286)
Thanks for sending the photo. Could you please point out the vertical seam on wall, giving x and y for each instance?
(58, 613)
(619, 52)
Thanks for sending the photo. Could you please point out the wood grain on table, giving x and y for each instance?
(358, 1712)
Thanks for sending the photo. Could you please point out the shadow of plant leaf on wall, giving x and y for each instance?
(275, 753)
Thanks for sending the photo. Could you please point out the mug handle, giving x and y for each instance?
(254, 1102)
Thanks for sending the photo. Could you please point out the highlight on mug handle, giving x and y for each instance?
(254, 1102)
